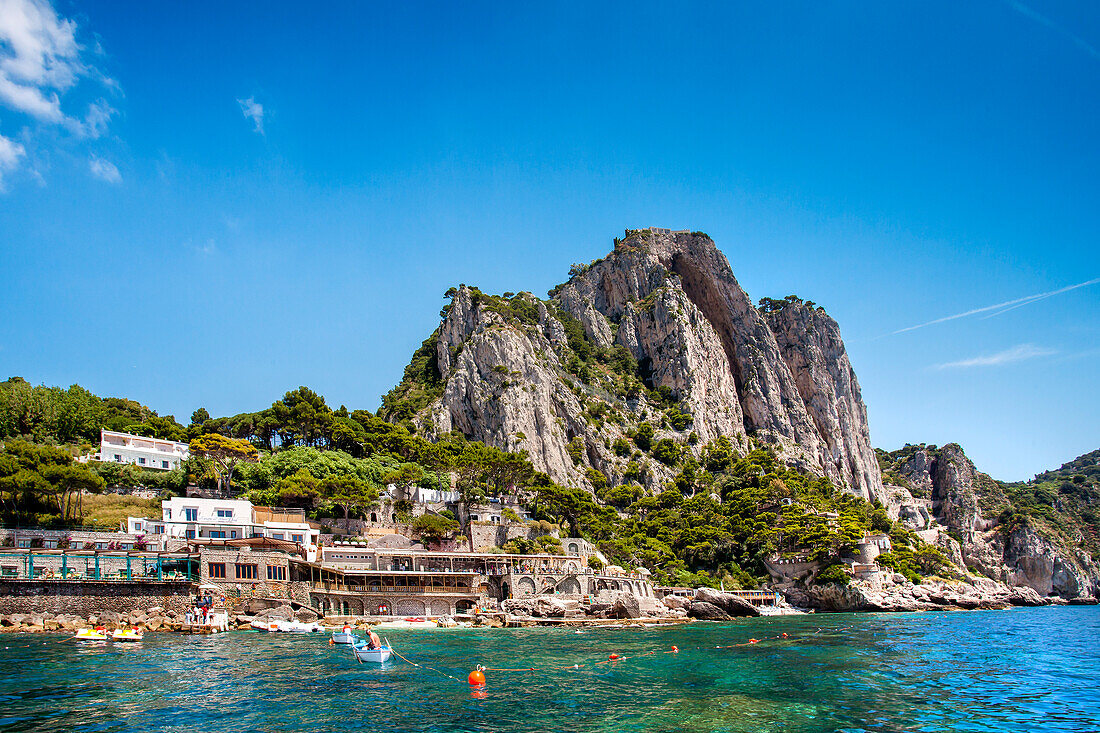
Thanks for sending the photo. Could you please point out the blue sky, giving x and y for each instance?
(206, 205)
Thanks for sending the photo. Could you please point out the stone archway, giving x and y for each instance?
(570, 585)
(525, 587)
(464, 605)
(440, 607)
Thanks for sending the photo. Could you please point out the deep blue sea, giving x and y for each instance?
(1020, 670)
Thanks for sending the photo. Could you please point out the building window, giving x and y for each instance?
(190, 534)
(296, 537)
(276, 573)
(217, 535)
(164, 464)
(141, 461)
(246, 572)
(158, 529)
(118, 458)
(225, 514)
(190, 514)
(233, 534)
(276, 535)
(217, 570)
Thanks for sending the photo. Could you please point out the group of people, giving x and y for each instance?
(198, 614)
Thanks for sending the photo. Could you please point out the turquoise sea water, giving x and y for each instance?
(1021, 670)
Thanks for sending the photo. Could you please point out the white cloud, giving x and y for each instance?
(10, 153)
(254, 111)
(40, 58)
(1008, 356)
(1000, 307)
(40, 61)
(104, 170)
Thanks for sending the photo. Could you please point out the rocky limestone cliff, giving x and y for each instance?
(504, 384)
(956, 507)
(810, 343)
(512, 377)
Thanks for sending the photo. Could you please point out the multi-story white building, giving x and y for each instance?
(223, 519)
(141, 451)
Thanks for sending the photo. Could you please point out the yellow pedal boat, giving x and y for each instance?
(127, 635)
(91, 635)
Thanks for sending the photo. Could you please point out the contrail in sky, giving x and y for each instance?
(1001, 307)
(1042, 19)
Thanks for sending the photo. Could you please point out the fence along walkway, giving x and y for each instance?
(128, 567)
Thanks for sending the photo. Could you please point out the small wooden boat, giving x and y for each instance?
(127, 635)
(344, 637)
(365, 654)
(96, 634)
(292, 627)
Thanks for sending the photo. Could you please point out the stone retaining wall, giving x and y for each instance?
(91, 597)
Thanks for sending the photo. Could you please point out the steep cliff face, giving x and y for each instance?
(658, 332)
(504, 384)
(972, 512)
(810, 343)
(674, 302)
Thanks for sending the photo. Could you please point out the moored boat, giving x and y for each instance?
(292, 627)
(96, 634)
(344, 636)
(127, 635)
(365, 654)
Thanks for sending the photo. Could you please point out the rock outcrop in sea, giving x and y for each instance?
(948, 502)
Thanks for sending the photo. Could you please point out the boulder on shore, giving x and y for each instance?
(705, 611)
(109, 619)
(626, 606)
(728, 602)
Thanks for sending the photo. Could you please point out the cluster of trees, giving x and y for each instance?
(42, 485)
(718, 525)
(42, 414)
(716, 521)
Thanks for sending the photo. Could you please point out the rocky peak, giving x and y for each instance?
(782, 377)
(660, 319)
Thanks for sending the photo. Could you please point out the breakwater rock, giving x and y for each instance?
(897, 594)
(155, 618)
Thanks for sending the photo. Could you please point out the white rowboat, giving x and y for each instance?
(379, 655)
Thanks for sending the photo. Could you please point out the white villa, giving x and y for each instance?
(141, 451)
(224, 519)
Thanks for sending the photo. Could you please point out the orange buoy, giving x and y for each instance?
(330, 641)
(784, 634)
(613, 657)
(476, 678)
(753, 641)
(675, 649)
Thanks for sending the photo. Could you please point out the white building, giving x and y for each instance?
(421, 495)
(221, 519)
(141, 451)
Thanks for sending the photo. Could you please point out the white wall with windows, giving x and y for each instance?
(162, 455)
(194, 518)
